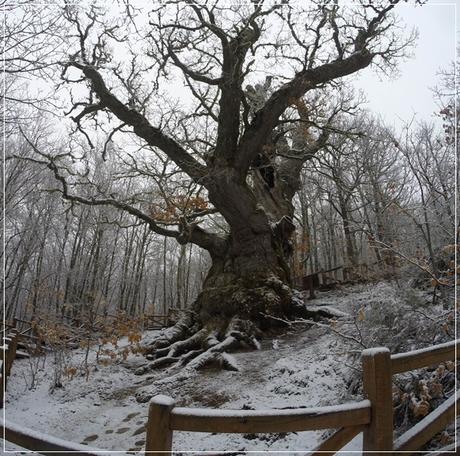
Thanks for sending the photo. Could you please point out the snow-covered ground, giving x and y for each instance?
(298, 368)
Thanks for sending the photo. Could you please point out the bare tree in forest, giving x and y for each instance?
(224, 150)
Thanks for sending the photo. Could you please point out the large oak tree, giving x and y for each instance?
(237, 147)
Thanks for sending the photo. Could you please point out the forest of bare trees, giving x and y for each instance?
(122, 196)
(357, 209)
(187, 179)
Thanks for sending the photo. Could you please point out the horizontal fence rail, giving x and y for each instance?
(429, 426)
(337, 440)
(46, 444)
(273, 420)
(416, 359)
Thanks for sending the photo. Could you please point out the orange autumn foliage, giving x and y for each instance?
(176, 206)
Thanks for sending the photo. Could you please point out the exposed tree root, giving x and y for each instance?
(189, 356)
(175, 333)
(181, 346)
(202, 358)
(205, 335)
(205, 346)
(192, 344)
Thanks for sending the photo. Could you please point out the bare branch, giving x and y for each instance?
(153, 136)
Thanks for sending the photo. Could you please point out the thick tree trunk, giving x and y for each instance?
(248, 287)
(251, 280)
(247, 290)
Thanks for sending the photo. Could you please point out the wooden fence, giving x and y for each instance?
(45, 444)
(156, 321)
(150, 321)
(372, 416)
(31, 343)
(8, 355)
(26, 341)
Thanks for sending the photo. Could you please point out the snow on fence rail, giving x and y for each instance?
(373, 416)
(255, 421)
(45, 444)
(403, 362)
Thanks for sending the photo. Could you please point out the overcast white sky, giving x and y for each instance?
(397, 99)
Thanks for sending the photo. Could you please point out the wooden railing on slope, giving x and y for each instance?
(439, 418)
(156, 321)
(27, 343)
(373, 417)
(23, 327)
(46, 444)
(151, 321)
(8, 354)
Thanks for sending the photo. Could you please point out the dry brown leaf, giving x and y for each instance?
(422, 408)
(436, 389)
(445, 438)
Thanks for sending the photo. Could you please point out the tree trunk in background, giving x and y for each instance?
(58, 302)
(122, 304)
(349, 237)
(181, 277)
(165, 298)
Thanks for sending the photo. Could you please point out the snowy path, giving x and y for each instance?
(301, 368)
(300, 371)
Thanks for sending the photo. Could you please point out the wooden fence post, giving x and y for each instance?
(377, 386)
(6, 354)
(11, 353)
(2, 383)
(159, 432)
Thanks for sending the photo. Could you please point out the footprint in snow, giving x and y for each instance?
(91, 438)
(131, 416)
(140, 430)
